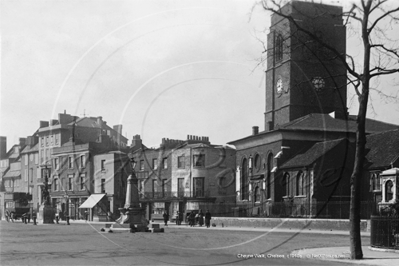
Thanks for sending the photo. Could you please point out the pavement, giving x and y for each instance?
(371, 256)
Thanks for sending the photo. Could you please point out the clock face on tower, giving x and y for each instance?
(279, 86)
(318, 83)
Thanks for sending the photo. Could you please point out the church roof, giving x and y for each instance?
(383, 149)
(324, 122)
(310, 156)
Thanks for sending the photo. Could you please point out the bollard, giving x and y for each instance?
(26, 220)
(57, 219)
(67, 219)
(34, 220)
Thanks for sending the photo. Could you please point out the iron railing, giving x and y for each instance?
(384, 232)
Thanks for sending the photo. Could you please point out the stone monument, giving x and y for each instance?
(46, 212)
(132, 215)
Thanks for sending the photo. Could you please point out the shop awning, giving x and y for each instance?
(91, 201)
(15, 173)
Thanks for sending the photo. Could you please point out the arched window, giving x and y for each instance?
(300, 184)
(257, 194)
(377, 180)
(244, 180)
(279, 48)
(257, 162)
(286, 183)
(269, 174)
(388, 190)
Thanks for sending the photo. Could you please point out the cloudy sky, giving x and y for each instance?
(160, 68)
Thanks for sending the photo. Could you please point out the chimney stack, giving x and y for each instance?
(255, 130)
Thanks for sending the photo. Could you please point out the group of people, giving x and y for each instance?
(192, 218)
(199, 218)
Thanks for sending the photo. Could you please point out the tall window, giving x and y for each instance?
(165, 163)
(257, 194)
(102, 165)
(70, 178)
(300, 184)
(286, 183)
(31, 175)
(375, 181)
(199, 160)
(198, 187)
(244, 180)
(70, 162)
(279, 48)
(26, 159)
(154, 187)
(180, 187)
(56, 163)
(102, 185)
(181, 161)
(269, 174)
(154, 164)
(52, 140)
(164, 188)
(82, 161)
(82, 181)
(56, 186)
(141, 165)
(388, 190)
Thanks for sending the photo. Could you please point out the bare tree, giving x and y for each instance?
(380, 57)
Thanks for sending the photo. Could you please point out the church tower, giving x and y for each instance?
(303, 76)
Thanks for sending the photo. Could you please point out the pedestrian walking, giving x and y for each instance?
(200, 218)
(178, 221)
(165, 218)
(7, 216)
(191, 219)
(208, 218)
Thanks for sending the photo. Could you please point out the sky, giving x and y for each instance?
(162, 69)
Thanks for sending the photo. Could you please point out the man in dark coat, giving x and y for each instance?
(165, 218)
(208, 218)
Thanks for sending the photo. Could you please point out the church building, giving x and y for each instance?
(304, 157)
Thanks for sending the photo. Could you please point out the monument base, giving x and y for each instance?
(130, 217)
(47, 214)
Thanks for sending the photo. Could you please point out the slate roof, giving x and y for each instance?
(310, 156)
(324, 122)
(383, 149)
